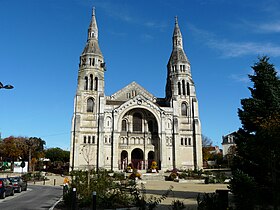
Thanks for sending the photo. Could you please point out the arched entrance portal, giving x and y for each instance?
(139, 134)
(124, 159)
(151, 157)
(137, 158)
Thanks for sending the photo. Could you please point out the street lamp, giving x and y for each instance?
(6, 86)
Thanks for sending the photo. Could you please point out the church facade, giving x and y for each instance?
(132, 126)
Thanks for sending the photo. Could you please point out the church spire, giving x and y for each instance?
(177, 36)
(178, 74)
(93, 30)
(92, 46)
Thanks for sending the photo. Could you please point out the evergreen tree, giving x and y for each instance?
(256, 167)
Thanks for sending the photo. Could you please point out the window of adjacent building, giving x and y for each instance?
(90, 105)
(182, 141)
(184, 111)
(93, 139)
(124, 127)
(85, 139)
(137, 122)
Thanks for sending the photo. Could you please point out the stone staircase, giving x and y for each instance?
(153, 176)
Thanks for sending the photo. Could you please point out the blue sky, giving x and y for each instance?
(41, 41)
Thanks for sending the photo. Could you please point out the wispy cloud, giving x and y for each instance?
(229, 48)
(270, 27)
(273, 27)
(237, 49)
(240, 78)
(125, 13)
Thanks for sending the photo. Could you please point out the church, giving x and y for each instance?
(132, 126)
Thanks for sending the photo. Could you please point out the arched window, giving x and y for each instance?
(95, 83)
(137, 122)
(184, 87)
(184, 111)
(179, 88)
(91, 82)
(188, 89)
(86, 83)
(124, 127)
(182, 141)
(90, 105)
(150, 126)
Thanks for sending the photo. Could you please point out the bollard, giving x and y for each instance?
(54, 182)
(93, 200)
(44, 182)
(73, 203)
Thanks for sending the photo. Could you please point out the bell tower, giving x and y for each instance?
(180, 93)
(89, 102)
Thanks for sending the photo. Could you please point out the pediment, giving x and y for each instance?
(131, 91)
(139, 101)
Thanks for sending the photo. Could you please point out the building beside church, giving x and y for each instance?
(132, 125)
(229, 144)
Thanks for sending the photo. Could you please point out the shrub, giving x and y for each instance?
(207, 201)
(178, 205)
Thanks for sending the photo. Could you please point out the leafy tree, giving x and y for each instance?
(256, 166)
(206, 146)
(11, 148)
(57, 154)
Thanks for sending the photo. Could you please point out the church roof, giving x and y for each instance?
(130, 91)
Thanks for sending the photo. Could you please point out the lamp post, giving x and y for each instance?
(6, 86)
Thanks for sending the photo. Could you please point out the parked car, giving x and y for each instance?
(18, 183)
(6, 188)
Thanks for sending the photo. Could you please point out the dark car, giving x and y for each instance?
(6, 188)
(18, 183)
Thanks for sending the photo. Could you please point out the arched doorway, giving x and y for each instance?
(124, 159)
(137, 158)
(151, 157)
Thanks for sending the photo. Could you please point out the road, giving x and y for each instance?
(35, 198)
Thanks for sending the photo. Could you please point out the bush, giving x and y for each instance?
(177, 205)
(207, 201)
(110, 192)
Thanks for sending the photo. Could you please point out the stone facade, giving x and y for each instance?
(132, 125)
(229, 144)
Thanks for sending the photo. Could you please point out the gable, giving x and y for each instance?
(130, 91)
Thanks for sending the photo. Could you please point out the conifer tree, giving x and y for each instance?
(256, 167)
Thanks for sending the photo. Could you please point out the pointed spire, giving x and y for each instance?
(93, 30)
(92, 45)
(177, 35)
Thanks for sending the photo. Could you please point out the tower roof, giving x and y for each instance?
(178, 53)
(92, 45)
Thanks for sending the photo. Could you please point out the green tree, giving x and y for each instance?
(57, 154)
(256, 167)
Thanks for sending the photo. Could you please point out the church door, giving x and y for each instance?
(137, 159)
